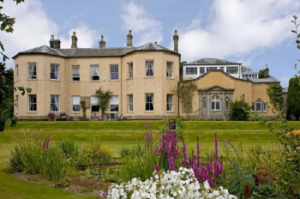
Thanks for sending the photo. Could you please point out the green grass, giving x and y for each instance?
(114, 135)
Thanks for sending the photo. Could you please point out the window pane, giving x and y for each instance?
(32, 71)
(253, 106)
(149, 69)
(265, 107)
(130, 103)
(114, 104)
(149, 102)
(54, 106)
(211, 68)
(32, 103)
(130, 70)
(54, 71)
(202, 70)
(170, 69)
(191, 70)
(76, 103)
(114, 72)
(95, 72)
(170, 102)
(258, 105)
(75, 73)
(232, 70)
(218, 105)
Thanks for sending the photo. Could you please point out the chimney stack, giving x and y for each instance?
(74, 40)
(129, 39)
(102, 43)
(54, 43)
(175, 38)
(155, 42)
(267, 72)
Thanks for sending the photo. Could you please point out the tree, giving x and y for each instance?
(7, 23)
(104, 97)
(293, 98)
(275, 94)
(239, 110)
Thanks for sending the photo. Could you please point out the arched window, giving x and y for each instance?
(215, 103)
(204, 103)
(227, 103)
(258, 105)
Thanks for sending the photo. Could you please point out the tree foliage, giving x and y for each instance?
(275, 94)
(239, 110)
(104, 97)
(186, 92)
(293, 98)
(6, 24)
(295, 22)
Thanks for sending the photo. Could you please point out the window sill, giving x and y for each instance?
(129, 79)
(171, 78)
(149, 77)
(170, 111)
(112, 80)
(75, 112)
(216, 110)
(55, 80)
(32, 112)
(75, 81)
(149, 111)
(129, 111)
(32, 79)
(95, 80)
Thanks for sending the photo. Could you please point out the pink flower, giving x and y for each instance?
(102, 194)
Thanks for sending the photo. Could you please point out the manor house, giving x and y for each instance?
(143, 81)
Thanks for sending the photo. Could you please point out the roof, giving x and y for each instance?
(270, 79)
(94, 52)
(212, 61)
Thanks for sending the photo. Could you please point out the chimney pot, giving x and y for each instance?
(74, 40)
(175, 38)
(129, 39)
(155, 42)
(102, 43)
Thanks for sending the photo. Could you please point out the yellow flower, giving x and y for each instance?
(295, 132)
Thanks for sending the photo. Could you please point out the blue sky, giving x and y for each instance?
(253, 32)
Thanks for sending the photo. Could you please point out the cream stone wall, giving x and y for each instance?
(43, 87)
(245, 88)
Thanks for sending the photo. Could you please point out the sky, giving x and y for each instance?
(252, 32)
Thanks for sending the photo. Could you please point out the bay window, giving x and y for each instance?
(54, 103)
(32, 71)
(54, 71)
(149, 68)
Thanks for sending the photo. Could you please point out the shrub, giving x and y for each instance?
(239, 110)
(69, 148)
(293, 98)
(170, 184)
(96, 153)
(132, 152)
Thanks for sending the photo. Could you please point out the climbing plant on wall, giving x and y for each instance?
(275, 94)
(186, 91)
(104, 97)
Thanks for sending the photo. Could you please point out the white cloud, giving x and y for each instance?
(33, 28)
(144, 27)
(237, 28)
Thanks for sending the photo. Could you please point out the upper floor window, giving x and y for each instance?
(75, 104)
(130, 103)
(233, 70)
(202, 70)
(94, 72)
(32, 70)
(17, 72)
(221, 68)
(170, 105)
(75, 73)
(32, 103)
(149, 68)
(211, 68)
(114, 72)
(258, 105)
(149, 102)
(54, 104)
(191, 70)
(130, 70)
(54, 71)
(114, 103)
(215, 103)
(170, 69)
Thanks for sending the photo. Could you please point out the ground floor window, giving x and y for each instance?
(114, 104)
(17, 104)
(170, 105)
(149, 102)
(265, 107)
(130, 103)
(32, 105)
(215, 103)
(258, 105)
(204, 103)
(54, 103)
(75, 104)
(95, 104)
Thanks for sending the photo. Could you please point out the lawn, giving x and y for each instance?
(114, 135)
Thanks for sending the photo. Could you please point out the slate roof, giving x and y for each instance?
(94, 52)
(212, 61)
(270, 79)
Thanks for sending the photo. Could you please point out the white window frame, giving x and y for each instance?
(214, 100)
(34, 77)
(130, 103)
(169, 70)
(56, 71)
(146, 95)
(236, 70)
(54, 103)
(29, 104)
(76, 75)
(130, 70)
(78, 97)
(92, 75)
(170, 103)
(191, 72)
(111, 73)
(110, 104)
(146, 68)
(258, 101)
(265, 107)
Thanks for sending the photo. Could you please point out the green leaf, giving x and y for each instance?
(22, 90)
(293, 31)
(28, 90)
